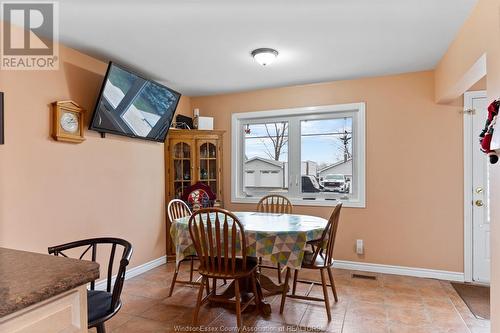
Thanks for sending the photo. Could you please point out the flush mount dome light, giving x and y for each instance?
(265, 56)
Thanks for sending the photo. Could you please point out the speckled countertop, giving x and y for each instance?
(27, 278)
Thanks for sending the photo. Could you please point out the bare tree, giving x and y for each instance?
(279, 139)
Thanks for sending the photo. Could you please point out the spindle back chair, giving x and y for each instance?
(113, 291)
(324, 245)
(177, 208)
(275, 203)
(219, 239)
(320, 258)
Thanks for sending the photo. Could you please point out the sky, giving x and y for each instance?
(323, 149)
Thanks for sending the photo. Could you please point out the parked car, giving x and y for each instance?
(335, 183)
(310, 184)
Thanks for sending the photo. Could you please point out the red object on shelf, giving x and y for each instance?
(198, 186)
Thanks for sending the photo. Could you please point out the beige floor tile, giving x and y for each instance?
(373, 295)
(365, 283)
(136, 305)
(315, 318)
(357, 311)
(339, 306)
(391, 303)
(401, 289)
(119, 319)
(158, 275)
(292, 312)
(142, 325)
(412, 316)
(167, 313)
(142, 287)
(446, 317)
(432, 292)
(227, 319)
(451, 327)
(404, 300)
(208, 314)
(365, 326)
(400, 328)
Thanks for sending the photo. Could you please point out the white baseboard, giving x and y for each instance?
(400, 270)
(137, 270)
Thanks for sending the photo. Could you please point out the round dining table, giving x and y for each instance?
(277, 238)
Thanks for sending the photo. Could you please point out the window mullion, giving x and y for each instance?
(241, 158)
(294, 157)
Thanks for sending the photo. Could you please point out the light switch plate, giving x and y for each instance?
(359, 246)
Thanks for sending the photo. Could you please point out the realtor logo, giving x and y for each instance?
(29, 36)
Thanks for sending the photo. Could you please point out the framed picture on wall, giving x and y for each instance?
(1, 119)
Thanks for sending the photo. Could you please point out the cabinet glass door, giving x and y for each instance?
(208, 165)
(181, 167)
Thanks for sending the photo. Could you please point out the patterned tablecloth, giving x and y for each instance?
(274, 237)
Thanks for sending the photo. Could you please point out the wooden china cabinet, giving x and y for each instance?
(192, 156)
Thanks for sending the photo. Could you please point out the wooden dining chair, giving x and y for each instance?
(176, 209)
(277, 204)
(320, 258)
(219, 239)
(101, 304)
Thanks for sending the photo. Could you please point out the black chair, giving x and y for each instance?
(101, 305)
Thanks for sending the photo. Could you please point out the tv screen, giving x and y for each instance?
(133, 106)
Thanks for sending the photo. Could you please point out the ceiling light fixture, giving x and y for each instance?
(264, 56)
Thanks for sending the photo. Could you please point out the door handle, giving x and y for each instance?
(479, 203)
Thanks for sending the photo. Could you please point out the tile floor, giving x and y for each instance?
(389, 304)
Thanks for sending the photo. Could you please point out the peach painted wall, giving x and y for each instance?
(413, 215)
(479, 85)
(479, 35)
(53, 192)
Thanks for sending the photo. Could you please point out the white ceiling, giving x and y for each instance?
(203, 47)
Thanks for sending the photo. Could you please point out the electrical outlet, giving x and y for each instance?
(360, 249)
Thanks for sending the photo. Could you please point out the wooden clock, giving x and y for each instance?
(68, 122)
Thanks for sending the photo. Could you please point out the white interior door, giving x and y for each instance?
(477, 186)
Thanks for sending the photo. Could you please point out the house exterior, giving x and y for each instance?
(264, 173)
(270, 174)
(338, 168)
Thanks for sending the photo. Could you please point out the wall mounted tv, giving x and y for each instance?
(133, 106)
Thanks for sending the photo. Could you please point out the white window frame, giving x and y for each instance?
(354, 110)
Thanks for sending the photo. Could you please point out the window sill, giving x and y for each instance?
(318, 202)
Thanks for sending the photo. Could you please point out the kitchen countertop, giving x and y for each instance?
(27, 278)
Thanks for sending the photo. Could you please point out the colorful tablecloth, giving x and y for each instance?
(274, 237)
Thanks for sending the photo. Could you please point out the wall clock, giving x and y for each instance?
(68, 122)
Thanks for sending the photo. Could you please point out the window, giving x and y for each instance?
(313, 155)
(266, 157)
(326, 154)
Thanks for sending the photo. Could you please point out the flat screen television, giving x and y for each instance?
(133, 106)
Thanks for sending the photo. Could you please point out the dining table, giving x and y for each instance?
(277, 238)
